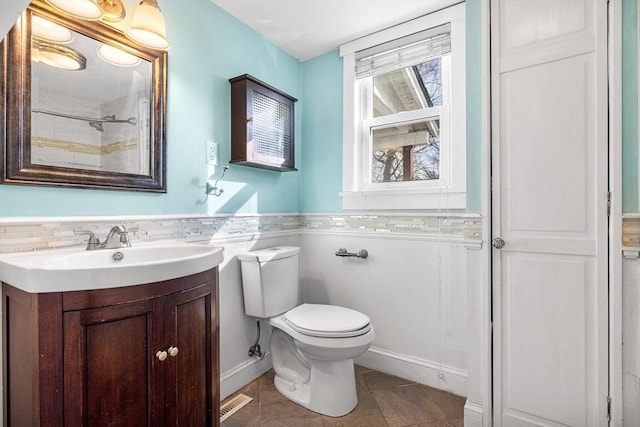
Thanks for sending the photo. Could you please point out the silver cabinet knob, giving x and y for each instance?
(498, 243)
(173, 351)
(161, 355)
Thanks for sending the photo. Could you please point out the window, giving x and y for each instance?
(404, 108)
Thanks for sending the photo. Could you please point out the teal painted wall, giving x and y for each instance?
(208, 47)
(322, 125)
(322, 134)
(630, 174)
(475, 132)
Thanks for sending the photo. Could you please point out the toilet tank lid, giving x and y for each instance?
(269, 254)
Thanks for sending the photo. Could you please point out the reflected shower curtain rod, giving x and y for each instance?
(108, 119)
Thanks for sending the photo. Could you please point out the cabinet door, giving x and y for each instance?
(111, 376)
(191, 326)
(549, 205)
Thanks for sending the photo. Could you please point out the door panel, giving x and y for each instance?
(192, 397)
(543, 348)
(107, 384)
(548, 121)
(537, 31)
(549, 204)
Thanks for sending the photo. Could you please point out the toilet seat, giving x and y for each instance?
(327, 321)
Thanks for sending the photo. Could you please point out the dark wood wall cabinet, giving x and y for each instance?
(262, 125)
(143, 355)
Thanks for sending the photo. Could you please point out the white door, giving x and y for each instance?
(549, 205)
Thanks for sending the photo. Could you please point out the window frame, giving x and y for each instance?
(447, 192)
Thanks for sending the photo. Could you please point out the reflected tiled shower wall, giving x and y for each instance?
(57, 233)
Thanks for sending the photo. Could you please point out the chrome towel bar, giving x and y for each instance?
(362, 253)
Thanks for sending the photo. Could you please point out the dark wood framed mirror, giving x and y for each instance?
(76, 113)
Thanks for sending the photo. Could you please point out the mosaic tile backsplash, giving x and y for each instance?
(58, 233)
(631, 231)
(468, 227)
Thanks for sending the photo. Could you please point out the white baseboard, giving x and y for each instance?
(422, 371)
(242, 374)
(473, 415)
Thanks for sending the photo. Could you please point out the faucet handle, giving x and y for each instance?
(93, 242)
(124, 237)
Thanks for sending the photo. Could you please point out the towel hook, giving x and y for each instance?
(213, 189)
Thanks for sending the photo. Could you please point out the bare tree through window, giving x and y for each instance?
(407, 151)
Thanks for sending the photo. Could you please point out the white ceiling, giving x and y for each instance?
(308, 28)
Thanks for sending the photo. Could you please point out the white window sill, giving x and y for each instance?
(403, 199)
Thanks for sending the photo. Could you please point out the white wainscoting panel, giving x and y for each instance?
(414, 291)
(242, 374)
(237, 330)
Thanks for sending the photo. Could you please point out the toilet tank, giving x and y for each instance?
(270, 280)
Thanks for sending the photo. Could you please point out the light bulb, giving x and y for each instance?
(50, 31)
(83, 9)
(116, 56)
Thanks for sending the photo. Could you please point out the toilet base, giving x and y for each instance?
(330, 390)
(316, 373)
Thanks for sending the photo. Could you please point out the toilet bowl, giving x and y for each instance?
(312, 345)
(317, 371)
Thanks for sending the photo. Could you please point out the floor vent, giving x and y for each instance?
(233, 406)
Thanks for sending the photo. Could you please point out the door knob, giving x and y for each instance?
(173, 351)
(161, 355)
(498, 243)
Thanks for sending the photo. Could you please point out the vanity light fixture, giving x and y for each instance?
(116, 56)
(148, 26)
(57, 55)
(50, 31)
(112, 10)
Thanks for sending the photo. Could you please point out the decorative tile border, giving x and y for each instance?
(466, 226)
(42, 233)
(631, 231)
(25, 234)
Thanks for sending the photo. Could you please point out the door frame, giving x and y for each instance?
(615, 217)
(486, 379)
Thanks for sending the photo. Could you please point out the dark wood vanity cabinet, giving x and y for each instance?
(95, 358)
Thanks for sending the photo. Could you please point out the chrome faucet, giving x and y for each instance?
(118, 237)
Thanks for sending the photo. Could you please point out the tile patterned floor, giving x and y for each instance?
(383, 401)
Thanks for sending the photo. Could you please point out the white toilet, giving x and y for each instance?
(312, 345)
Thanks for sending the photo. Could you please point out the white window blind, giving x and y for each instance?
(404, 52)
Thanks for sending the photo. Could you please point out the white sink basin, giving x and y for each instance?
(79, 269)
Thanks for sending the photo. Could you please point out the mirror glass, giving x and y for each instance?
(96, 118)
(85, 106)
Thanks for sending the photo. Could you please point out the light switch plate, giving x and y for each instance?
(211, 152)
